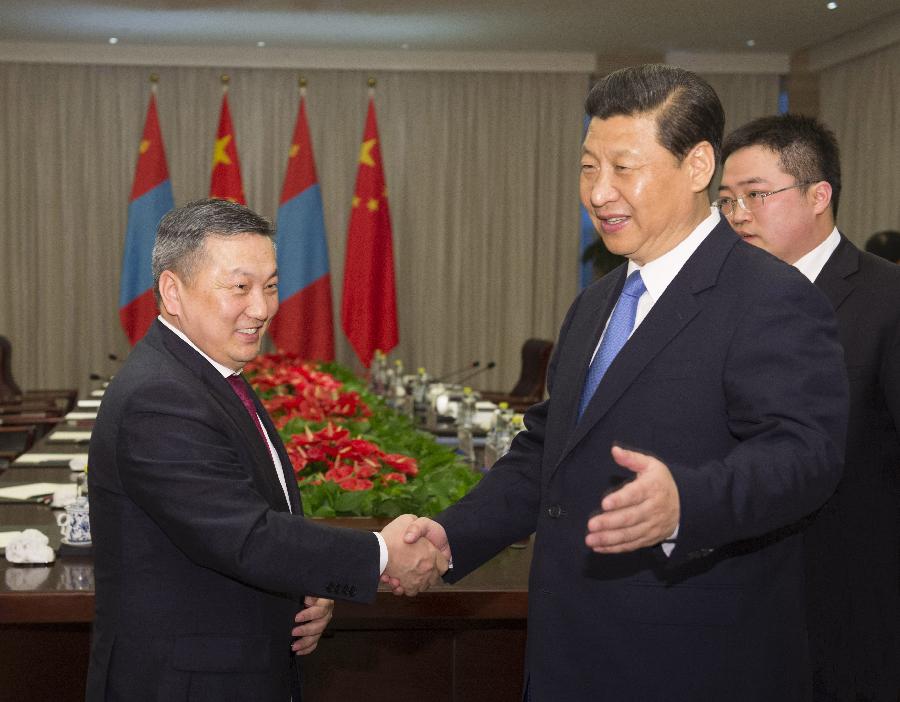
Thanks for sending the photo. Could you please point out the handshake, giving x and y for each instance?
(418, 554)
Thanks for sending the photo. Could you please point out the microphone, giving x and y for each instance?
(473, 364)
(97, 376)
(477, 372)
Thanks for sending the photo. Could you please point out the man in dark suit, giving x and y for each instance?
(663, 571)
(202, 555)
(780, 189)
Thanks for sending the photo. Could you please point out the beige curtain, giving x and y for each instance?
(744, 97)
(860, 101)
(481, 171)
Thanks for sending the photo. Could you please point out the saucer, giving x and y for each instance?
(76, 543)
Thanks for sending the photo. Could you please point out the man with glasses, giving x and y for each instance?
(780, 188)
(697, 402)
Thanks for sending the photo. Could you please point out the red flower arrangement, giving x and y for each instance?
(292, 390)
(354, 464)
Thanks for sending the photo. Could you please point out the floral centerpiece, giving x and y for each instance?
(353, 455)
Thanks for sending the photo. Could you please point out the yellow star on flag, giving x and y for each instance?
(145, 146)
(372, 205)
(365, 152)
(295, 149)
(356, 201)
(219, 155)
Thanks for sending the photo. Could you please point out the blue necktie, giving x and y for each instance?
(621, 322)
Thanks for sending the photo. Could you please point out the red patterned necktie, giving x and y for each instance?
(240, 388)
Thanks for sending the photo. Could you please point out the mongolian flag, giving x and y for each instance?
(304, 324)
(151, 198)
(369, 302)
(226, 169)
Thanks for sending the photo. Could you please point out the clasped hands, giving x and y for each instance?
(414, 564)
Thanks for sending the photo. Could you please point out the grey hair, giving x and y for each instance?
(183, 231)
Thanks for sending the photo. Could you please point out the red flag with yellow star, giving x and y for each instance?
(226, 169)
(369, 303)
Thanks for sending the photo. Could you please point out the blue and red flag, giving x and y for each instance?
(304, 324)
(151, 198)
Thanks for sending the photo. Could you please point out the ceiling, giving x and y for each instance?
(610, 26)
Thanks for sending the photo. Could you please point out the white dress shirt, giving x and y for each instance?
(812, 263)
(657, 274)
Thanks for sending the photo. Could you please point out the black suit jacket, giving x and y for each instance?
(199, 565)
(735, 380)
(853, 544)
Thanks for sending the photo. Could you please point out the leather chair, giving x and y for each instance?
(62, 400)
(529, 389)
(15, 440)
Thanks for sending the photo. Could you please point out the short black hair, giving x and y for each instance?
(688, 109)
(885, 244)
(806, 148)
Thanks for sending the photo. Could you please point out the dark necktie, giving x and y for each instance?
(621, 322)
(242, 391)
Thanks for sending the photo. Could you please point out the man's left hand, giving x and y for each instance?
(312, 622)
(643, 513)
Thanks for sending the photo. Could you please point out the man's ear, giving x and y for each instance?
(170, 287)
(821, 195)
(701, 160)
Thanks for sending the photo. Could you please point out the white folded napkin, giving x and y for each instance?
(31, 546)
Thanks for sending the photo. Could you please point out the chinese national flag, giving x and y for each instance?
(369, 302)
(226, 169)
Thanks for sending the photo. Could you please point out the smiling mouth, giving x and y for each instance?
(613, 220)
(249, 330)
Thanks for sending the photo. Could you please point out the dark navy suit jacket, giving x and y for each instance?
(199, 566)
(735, 380)
(853, 544)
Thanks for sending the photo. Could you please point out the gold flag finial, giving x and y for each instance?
(372, 82)
(302, 81)
(154, 78)
(225, 79)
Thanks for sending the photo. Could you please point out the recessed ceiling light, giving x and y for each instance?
(751, 42)
(831, 5)
(260, 44)
(114, 40)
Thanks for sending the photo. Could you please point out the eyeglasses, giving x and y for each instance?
(753, 200)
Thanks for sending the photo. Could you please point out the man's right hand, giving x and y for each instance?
(413, 564)
(421, 530)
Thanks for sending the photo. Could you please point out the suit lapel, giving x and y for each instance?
(230, 404)
(668, 317)
(833, 279)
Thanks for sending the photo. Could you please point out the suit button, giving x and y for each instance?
(555, 511)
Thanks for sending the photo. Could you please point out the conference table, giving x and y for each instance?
(459, 643)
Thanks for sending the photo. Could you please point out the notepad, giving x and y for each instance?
(70, 436)
(26, 492)
(62, 458)
(81, 415)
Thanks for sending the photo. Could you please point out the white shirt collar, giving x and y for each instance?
(658, 273)
(812, 263)
(224, 370)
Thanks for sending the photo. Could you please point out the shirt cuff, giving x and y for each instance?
(669, 544)
(382, 553)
